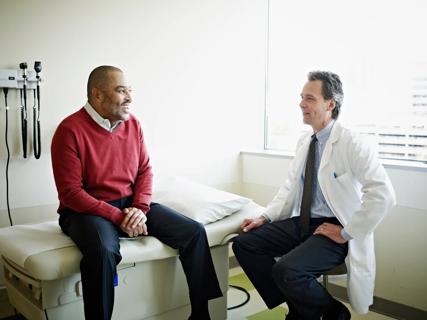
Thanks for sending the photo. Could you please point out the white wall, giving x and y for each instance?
(197, 70)
(400, 239)
(196, 67)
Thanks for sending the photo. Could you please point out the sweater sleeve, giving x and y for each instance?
(67, 171)
(144, 180)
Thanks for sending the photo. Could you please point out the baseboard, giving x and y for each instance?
(383, 306)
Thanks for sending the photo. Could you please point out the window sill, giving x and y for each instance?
(388, 163)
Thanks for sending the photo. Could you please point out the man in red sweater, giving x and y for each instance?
(104, 180)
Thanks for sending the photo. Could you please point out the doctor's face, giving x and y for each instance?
(115, 98)
(316, 111)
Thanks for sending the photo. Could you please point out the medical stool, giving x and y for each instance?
(340, 269)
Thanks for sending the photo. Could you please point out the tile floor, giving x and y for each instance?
(255, 309)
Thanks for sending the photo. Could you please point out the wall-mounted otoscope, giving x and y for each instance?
(23, 67)
(36, 113)
(23, 79)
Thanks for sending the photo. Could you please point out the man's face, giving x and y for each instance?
(115, 98)
(316, 111)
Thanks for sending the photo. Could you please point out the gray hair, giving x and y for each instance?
(331, 88)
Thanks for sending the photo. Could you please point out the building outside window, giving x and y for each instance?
(379, 50)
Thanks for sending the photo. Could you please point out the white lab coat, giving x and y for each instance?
(359, 193)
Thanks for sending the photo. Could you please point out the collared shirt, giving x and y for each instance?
(319, 207)
(104, 123)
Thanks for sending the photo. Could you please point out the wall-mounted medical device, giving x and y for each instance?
(36, 112)
(24, 79)
(11, 78)
(8, 78)
(24, 112)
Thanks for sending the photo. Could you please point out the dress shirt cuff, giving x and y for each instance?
(267, 219)
(345, 235)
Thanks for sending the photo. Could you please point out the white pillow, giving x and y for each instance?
(197, 201)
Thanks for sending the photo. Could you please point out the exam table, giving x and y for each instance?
(42, 277)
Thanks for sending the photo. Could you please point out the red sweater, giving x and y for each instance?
(92, 166)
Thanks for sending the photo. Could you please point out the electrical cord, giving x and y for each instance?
(248, 297)
(5, 91)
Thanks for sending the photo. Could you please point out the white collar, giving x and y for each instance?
(104, 123)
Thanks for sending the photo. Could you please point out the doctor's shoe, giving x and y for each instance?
(291, 315)
(200, 315)
(337, 312)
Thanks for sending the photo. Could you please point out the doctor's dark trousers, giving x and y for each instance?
(98, 240)
(284, 268)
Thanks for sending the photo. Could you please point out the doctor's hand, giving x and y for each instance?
(332, 231)
(134, 222)
(249, 224)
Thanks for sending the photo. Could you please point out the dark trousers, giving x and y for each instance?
(98, 240)
(292, 278)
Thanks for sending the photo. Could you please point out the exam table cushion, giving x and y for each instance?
(45, 253)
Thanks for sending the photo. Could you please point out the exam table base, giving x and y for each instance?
(150, 290)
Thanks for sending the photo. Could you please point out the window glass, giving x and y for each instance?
(378, 49)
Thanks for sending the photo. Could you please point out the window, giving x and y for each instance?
(378, 50)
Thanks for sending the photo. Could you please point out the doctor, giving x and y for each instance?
(334, 197)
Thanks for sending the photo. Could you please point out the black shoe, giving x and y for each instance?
(337, 312)
(291, 315)
(199, 317)
(200, 311)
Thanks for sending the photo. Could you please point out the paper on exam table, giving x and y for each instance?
(19, 242)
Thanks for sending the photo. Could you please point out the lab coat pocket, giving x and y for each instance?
(345, 195)
(342, 177)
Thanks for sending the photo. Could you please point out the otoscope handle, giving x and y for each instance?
(38, 93)
(24, 91)
(24, 133)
